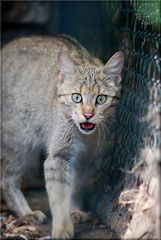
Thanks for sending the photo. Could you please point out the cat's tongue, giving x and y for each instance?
(87, 125)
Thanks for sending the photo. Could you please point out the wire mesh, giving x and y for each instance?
(141, 86)
(138, 114)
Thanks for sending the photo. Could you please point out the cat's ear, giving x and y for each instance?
(113, 69)
(115, 64)
(65, 66)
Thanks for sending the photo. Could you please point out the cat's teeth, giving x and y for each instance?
(87, 126)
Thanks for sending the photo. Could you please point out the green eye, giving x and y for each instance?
(76, 97)
(101, 99)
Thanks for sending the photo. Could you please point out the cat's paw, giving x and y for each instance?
(36, 217)
(63, 232)
(80, 216)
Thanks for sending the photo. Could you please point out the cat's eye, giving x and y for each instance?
(101, 99)
(76, 97)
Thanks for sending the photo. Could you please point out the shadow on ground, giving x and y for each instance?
(14, 228)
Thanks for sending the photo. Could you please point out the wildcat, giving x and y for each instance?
(56, 96)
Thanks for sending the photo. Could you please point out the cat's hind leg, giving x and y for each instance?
(77, 213)
(79, 216)
(13, 164)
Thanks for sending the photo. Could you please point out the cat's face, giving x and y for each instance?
(90, 93)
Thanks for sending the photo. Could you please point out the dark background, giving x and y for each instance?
(92, 23)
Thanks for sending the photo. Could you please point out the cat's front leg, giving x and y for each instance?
(58, 184)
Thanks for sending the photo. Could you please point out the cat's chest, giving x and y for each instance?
(87, 163)
(87, 150)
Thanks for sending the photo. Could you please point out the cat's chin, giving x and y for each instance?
(87, 127)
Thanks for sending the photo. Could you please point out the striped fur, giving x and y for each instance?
(39, 76)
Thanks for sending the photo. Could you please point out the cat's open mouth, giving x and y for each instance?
(87, 126)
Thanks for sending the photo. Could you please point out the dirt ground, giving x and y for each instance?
(14, 228)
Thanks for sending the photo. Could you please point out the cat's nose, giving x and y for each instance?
(88, 115)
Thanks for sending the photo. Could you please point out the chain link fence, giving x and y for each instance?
(135, 163)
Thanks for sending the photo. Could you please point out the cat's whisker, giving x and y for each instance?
(103, 130)
(106, 128)
(100, 118)
(71, 125)
(74, 131)
(68, 126)
(108, 122)
(98, 142)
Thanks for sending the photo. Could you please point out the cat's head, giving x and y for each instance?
(90, 93)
